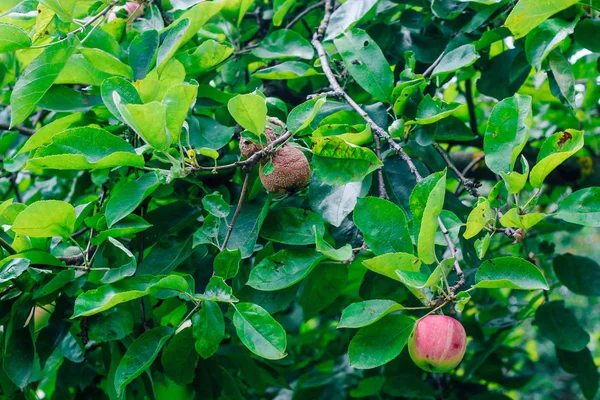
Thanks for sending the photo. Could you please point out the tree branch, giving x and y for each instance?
(238, 209)
(21, 129)
(470, 185)
(316, 41)
(429, 70)
(381, 183)
(460, 281)
(304, 13)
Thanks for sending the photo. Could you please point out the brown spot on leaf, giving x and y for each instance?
(566, 136)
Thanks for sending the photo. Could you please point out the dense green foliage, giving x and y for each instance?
(454, 155)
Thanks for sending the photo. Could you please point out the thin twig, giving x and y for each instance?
(21, 129)
(465, 171)
(381, 183)
(470, 185)
(429, 70)
(460, 281)
(238, 209)
(304, 13)
(81, 28)
(167, 20)
(15, 187)
(316, 41)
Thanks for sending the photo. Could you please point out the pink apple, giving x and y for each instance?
(437, 343)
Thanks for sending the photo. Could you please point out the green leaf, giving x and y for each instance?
(107, 296)
(281, 8)
(545, 38)
(581, 207)
(214, 204)
(580, 275)
(558, 324)
(511, 273)
(512, 219)
(140, 355)
(283, 269)
(302, 115)
(383, 225)
(247, 226)
(259, 332)
(198, 16)
(45, 134)
(282, 44)
(432, 110)
(111, 326)
(292, 225)
(456, 59)
(173, 39)
(13, 269)
(250, 111)
(129, 196)
(62, 8)
(515, 182)
(37, 78)
(381, 342)
(46, 218)
(179, 99)
(365, 313)
(528, 14)
(322, 287)
(227, 263)
(19, 356)
(165, 258)
(13, 38)
(126, 92)
(582, 365)
(556, 149)
(366, 63)
(177, 360)
(478, 218)
(561, 79)
(205, 57)
(342, 254)
(208, 328)
(86, 148)
(506, 134)
(586, 32)
(287, 70)
(218, 290)
(148, 121)
(106, 62)
(426, 202)
(129, 225)
(401, 94)
(141, 53)
(347, 15)
(209, 133)
(387, 264)
(337, 162)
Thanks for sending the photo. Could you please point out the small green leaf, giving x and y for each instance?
(506, 134)
(106, 62)
(342, 254)
(545, 38)
(302, 115)
(13, 269)
(509, 272)
(141, 53)
(282, 44)
(366, 63)
(456, 59)
(365, 313)
(128, 197)
(512, 219)
(286, 70)
(561, 78)
(179, 99)
(46, 218)
(259, 332)
(432, 110)
(387, 264)
(13, 38)
(208, 328)
(227, 263)
(140, 355)
(148, 121)
(426, 202)
(214, 204)
(250, 111)
(268, 168)
(580, 275)
(381, 342)
(556, 149)
(515, 182)
(528, 14)
(383, 225)
(482, 245)
(581, 207)
(218, 290)
(283, 269)
(337, 162)
(478, 218)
